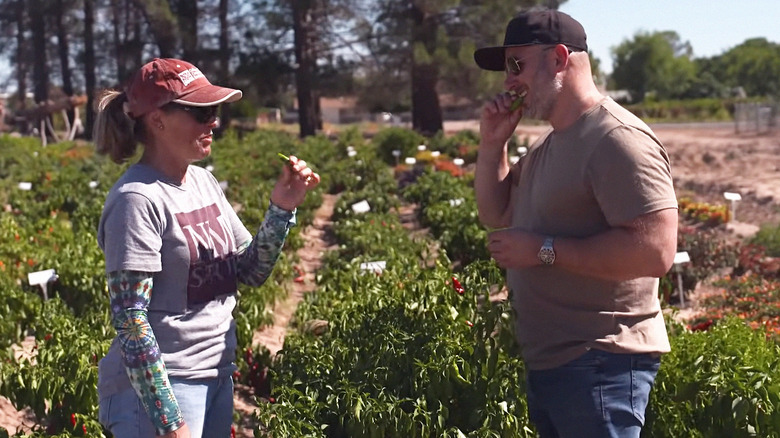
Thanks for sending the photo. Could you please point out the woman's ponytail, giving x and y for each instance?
(115, 134)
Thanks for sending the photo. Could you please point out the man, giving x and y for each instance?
(588, 222)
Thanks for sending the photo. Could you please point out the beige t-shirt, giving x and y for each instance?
(603, 171)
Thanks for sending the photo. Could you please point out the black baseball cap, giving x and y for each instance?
(547, 26)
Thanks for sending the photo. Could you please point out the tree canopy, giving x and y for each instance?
(662, 65)
(393, 55)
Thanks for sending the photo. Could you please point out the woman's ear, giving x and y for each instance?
(155, 120)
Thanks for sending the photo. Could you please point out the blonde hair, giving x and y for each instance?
(116, 134)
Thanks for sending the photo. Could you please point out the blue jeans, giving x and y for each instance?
(597, 395)
(206, 404)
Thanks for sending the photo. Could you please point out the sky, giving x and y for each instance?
(710, 26)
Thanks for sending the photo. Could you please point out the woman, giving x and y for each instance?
(175, 251)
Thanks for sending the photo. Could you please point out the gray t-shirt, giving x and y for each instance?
(602, 172)
(188, 236)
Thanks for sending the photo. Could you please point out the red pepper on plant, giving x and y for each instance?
(299, 271)
(457, 286)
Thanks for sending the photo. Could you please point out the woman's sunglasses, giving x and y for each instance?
(201, 114)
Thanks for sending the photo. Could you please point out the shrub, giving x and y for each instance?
(768, 237)
(722, 383)
(396, 138)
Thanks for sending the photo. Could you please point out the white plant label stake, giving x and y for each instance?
(680, 259)
(376, 267)
(361, 207)
(42, 279)
(734, 198)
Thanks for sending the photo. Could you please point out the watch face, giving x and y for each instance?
(547, 256)
(547, 253)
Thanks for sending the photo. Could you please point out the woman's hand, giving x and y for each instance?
(182, 432)
(291, 187)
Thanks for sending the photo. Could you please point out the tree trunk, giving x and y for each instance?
(162, 23)
(40, 66)
(305, 58)
(21, 56)
(426, 111)
(64, 54)
(89, 65)
(224, 60)
(128, 47)
(121, 72)
(187, 17)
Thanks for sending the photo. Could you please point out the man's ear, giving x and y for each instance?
(561, 57)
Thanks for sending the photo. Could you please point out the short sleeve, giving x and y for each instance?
(130, 233)
(630, 175)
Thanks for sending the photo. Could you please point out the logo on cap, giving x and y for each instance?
(190, 75)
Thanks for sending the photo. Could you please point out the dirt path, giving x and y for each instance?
(316, 244)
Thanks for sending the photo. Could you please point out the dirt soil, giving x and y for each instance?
(707, 160)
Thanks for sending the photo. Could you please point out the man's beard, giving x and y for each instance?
(545, 96)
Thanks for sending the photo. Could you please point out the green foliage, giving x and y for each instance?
(390, 139)
(768, 237)
(447, 206)
(704, 109)
(400, 352)
(53, 225)
(753, 65)
(720, 383)
(462, 144)
(710, 255)
(657, 63)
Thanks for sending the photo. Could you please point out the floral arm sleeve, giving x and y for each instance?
(130, 293)
(257, 258)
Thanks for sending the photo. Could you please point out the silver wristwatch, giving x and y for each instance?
(547, 253)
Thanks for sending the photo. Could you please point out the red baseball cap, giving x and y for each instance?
(165, 80)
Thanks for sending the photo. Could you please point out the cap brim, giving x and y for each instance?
(493, 58)
(490, 58)
(209, 96)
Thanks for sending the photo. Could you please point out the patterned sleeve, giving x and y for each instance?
(130, 293)
(257, 258)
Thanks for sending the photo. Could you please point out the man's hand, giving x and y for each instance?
(498, 121)
(513, 248)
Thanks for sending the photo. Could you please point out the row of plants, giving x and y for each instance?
(703, 212)
(343, 381)
(405, 345)
(401, 338)
(52, 200)
(705, 109)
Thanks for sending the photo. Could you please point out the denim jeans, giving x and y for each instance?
(597, 395)
(206, 404)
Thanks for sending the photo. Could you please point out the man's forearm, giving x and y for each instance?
(492, 186)
(646, 248)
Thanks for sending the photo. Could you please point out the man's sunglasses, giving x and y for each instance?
(516, 66)
(201, 114)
